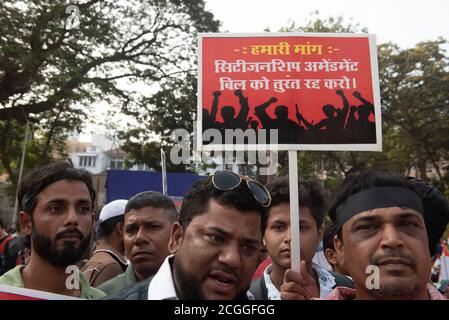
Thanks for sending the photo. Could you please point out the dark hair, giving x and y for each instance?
(328, 235)
(106, 227)
(436, 208)
(196, 202)
(359, 181)
(155, 200)
(2, 225)
(42, 177)
(311, 195)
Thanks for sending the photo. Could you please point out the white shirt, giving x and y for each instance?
(325, 279)
(320, 259)
(162, 286)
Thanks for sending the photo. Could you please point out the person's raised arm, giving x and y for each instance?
(214, 110)
(244, 108)
(364, 101)
(300, 118)
(342, 114)
(261, 112)
(351, 117)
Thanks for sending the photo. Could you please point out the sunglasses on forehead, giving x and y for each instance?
(227, 180)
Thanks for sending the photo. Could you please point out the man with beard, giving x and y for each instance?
(56, 211)
(215, 244)
(382, 238)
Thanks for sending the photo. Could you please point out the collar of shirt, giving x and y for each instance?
(325, 279)
(342, 293)
(14, 278)
(130, 276)
(434, 294)
(272, 292)
(162, 286)
(111, 250)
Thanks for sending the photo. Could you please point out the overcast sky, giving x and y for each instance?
(404, 22)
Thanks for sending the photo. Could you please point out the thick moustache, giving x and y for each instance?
(70, 234)
(395, 261)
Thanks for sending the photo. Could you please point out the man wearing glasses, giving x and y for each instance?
(214, 245)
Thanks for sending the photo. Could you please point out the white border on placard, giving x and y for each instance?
(310, 147)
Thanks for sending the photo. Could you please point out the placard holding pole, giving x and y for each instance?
(316, 91)
(164, 172)
(295, 244)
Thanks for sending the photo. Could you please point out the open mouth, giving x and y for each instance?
(223, 279)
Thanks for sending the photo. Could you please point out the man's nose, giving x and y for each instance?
(287, 236)
(230, 256)
(141, 236)
(71, 216)
(391, 237)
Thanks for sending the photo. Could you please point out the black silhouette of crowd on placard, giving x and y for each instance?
(345, 125)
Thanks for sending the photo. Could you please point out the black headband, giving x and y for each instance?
(374, 198)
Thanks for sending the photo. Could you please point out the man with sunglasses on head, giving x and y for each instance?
(383, 227)
(214, 245)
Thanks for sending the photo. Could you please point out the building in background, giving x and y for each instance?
(97, 156)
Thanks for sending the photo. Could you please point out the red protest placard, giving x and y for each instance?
(320, 91)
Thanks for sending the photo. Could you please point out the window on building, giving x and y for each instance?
(87, 161)
(116, 164)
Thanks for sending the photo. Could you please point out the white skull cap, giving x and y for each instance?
(113, 209)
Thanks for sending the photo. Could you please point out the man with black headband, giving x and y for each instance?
(381, 238)
(215, 244)
(56, 211)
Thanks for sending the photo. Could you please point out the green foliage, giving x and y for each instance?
(415, 97)
(52, 74)
(172, 107)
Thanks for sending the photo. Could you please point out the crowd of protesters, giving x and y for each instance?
(230, 239)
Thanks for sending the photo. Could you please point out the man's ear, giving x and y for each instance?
(25, 223)
(338, 245)
(119, 229)
(177, 232)
(330, 256)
